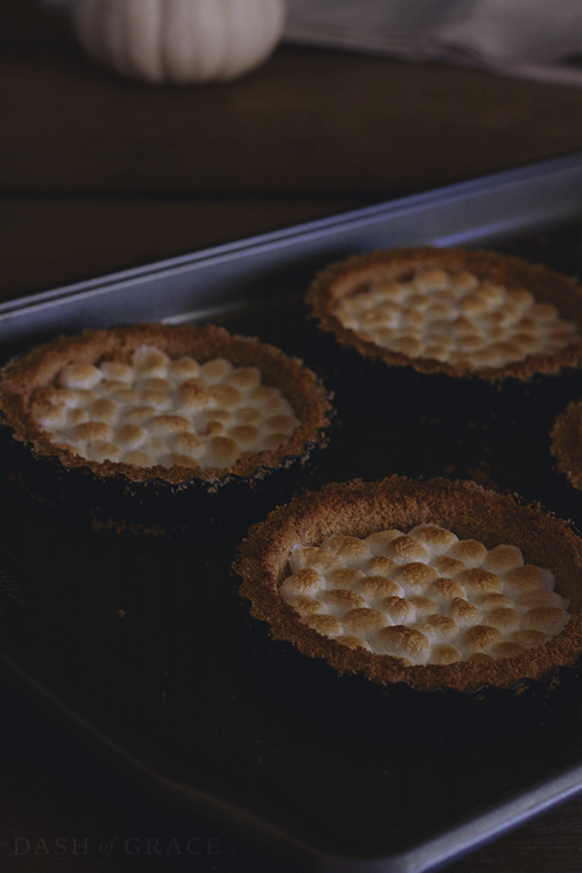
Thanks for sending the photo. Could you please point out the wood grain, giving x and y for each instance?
(51, 241)
(309, 121)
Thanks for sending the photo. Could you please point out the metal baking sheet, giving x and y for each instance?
(140, 647)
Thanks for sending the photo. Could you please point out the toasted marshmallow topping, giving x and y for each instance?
(455, 318)
(394, 593)
(163, 411)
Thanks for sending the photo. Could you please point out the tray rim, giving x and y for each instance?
(407, 218)
(16, 314)
(425, 857)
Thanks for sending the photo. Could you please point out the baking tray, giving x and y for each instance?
(140, 647)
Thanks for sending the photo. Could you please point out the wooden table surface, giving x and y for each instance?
(98, 174)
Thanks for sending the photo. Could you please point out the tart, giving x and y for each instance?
(171, 408)
(566, 443)
(460, 313)
(437, 584)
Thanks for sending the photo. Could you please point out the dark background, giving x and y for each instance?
(98, 174)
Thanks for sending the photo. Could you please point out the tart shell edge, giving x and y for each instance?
(359, 508)
(546, 286)
(308, 397)
(566, 443)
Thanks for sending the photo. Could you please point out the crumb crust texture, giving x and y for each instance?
(26, 380)
(566, 443)
(335, 287)
(359, 509)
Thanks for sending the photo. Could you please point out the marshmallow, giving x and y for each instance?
(224, 410)
(401, 316)
(495, 607)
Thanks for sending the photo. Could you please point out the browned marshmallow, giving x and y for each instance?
(188, 443)
(249, 415)
(380, 540)
(80, 376)
(538, 597)
(448, 566)
(463, 612)
(364, 621)
(130, 436)
(305, 582)
(306, 605)
(245, 378)
(103, 410)
(404, 642)
(92, 431)
(530, 638)
(177, 459)
(61, 396)
(495, 600)
(437, 539)
(184, 368)
(523, 578)
(478, 579)
(325, 624)
(263, 394)
(445, 655)
(446, 624)
(503, 618)
(400, 610)
(225, 395)
(379, 566)
(139, 414)
(77, 416)
(48, 416)
(158, 399)
(347, 548)
(345, 577)
(169, 424)
(470, 552)
(343, 598)
(312, 556)
(549, 619)
(223, 450)
(104, 451)
(422, 605)
(503, 558)
(379, 586)
(281, 423)
(508, 649)
(406, 549)
(353, 642)
(244, 433)
(149, 361)
(446, 589)
(415, 575)
(481, 637)
(161, 386)
(193, 395)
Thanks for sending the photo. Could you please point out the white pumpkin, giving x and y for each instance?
(179, 40)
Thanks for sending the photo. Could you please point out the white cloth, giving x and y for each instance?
(536, 39)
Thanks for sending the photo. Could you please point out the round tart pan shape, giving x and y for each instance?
(158, 497)
(566, 443)
(358, 273)
(352, 359)
(360, 508)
